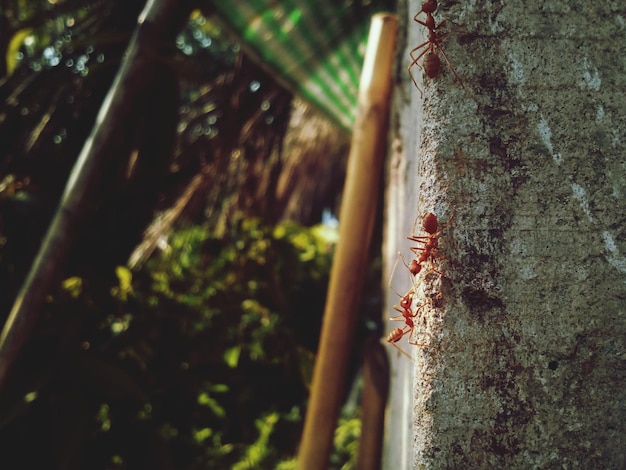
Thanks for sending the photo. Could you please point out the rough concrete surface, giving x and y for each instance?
(525, 168)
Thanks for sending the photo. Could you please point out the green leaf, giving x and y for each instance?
(231, 356)
(205, 399)
(73, 285)
(125, 276)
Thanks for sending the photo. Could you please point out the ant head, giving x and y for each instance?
(415, 267)
(407, 300)
(429, 6)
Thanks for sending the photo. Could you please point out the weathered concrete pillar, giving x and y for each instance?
(525, 168)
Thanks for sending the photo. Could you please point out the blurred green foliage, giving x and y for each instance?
(205, 353)
(347, 437)
(203, 357)
(236, 319)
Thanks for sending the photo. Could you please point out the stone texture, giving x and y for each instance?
(527, 367)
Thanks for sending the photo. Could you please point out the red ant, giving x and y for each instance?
(432, 62)
(429, 251)
(397, 333)
(406, 315)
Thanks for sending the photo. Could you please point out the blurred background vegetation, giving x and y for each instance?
(184, 333)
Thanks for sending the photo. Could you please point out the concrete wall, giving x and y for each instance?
(526, 366)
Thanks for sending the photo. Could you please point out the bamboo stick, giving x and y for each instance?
(357, 215)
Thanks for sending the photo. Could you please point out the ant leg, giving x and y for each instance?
(448, 20)
(403, 260)
(417, 251)
(416, 15)
(415, 82)
(393, 341)
(398, 318)
(401, 350)
(393, 271)
(420, 239)
(430, 28)
(445, 56)
(417, 48)
(442, 36)
(395, 265)
(414, 224)
(414, 62)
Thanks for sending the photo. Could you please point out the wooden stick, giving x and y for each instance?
(356, 220)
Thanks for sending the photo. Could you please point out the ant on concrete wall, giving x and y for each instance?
(426, 250)
(431, 63)
(406, 315)
(430, 242)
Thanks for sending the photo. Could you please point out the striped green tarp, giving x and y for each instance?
(315, 46)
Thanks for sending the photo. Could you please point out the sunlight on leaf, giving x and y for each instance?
(103, 417)
(119, 325)
(254, 307)
(279, 232)
(255, 454)
(125, 279)
(73, 285)
(219, 388)
(201, 435)
(346, 442)
(231, 356)
(205, 399)
(325, 234)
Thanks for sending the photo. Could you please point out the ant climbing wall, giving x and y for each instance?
(510, 129)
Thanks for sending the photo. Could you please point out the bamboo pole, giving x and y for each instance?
(358, 209)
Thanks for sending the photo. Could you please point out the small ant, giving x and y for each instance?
(406, 315)
(429, 251)
(398, 333)
(431, 63)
